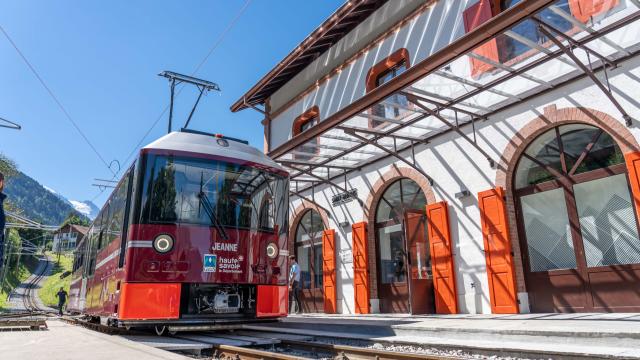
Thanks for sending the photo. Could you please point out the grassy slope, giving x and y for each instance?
(54, 282)
(15, 278)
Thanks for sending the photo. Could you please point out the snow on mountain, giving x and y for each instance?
(49, 189)
(86, 207)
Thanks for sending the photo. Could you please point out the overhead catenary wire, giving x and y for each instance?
(215, 45)
(55, 99)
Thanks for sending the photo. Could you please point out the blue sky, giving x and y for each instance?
(101, 59)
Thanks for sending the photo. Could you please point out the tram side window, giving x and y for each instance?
(103, 231)
(88, 246)
(79, 258)
(117, 210)
(267, 219)
(96, 235)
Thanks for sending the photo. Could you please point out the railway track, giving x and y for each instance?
(29, 298)
(33, 317)
(291, 349)
(319, 347)
(284, 350)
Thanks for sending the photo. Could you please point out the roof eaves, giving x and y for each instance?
(318, 39)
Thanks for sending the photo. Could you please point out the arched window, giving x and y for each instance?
(402, 195)
(394, 107)
(575, 215)
(308, 250)
(400, 198)
(302, 123)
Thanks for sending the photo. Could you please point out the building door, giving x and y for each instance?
(308, 250)
(420, 280)
(577, 223)
(392, 247)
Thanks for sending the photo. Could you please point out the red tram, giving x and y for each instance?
(193, 237)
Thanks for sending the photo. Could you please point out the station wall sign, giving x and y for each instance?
(344, 197)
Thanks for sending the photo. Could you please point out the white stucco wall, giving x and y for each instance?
(450, 161)
(454, 165)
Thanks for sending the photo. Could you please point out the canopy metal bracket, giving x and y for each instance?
(414, 100)
(325, 181)
(546, 30)
(308, 200)
(353, 133)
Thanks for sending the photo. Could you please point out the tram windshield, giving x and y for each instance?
(213, 193)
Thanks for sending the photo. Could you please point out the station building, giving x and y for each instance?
(66, 238)
(462, 156)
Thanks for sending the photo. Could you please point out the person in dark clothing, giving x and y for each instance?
(62, 299)
(2, 218)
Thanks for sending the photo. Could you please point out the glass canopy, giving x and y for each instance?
(539, 53)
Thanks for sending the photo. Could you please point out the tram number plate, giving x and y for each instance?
(344, 197)
(210, 263)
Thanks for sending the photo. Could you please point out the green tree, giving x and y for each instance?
(75, 219)
(7, 166)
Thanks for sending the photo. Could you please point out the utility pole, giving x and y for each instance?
(19, 253)
(7, 265)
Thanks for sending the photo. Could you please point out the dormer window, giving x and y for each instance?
(385, 70)
(301, 124)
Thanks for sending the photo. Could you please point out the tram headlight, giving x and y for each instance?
(272, 250)
(163, 243)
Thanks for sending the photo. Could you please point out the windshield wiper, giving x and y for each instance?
(208, 209)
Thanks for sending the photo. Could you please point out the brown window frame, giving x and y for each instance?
(388, 63)
(392, 62)
(310, 116)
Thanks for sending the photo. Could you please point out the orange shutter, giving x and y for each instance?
(473, 17)
(360, 267)
(444, 282)
(583, 10)
(633, 168)
(329, 271)
(497, 251)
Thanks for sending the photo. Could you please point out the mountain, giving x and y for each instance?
(86, 208)
(38, 202)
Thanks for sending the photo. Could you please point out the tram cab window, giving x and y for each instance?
(174, 190)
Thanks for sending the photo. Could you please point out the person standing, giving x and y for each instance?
(3, 220)
(62, 299)
(294, 284)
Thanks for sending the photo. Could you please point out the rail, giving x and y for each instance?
(29, 298)
(338, 351)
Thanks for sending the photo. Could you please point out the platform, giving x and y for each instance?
(603, 335)
(69, 342)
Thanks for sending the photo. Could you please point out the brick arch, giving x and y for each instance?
(551, 118)
(296, 217)
(375, 195)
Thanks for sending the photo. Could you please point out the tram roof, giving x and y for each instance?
(441, 100)
(208, 145)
